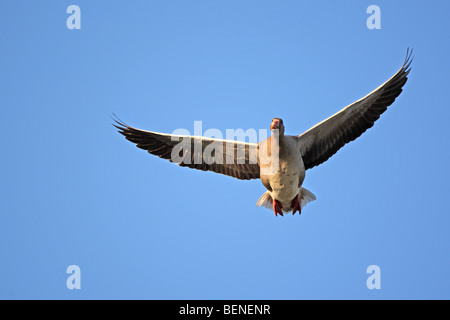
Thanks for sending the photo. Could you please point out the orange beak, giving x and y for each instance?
(275, 125)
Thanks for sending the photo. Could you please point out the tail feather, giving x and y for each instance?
(265, 201)
(305, 195)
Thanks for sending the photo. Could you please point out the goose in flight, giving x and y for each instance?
(281, 160)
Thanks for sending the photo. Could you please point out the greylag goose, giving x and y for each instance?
(281, 160)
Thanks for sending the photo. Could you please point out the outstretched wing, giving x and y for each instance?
(232, 158)
(323, 140)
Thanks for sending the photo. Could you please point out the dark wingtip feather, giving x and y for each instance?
(118, 121)
(319, 152)
(119, 124)
(408, 60)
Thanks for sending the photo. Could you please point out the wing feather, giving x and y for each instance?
(239, 162)
(323, 140)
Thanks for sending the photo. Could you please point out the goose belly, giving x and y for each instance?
(285, 187)
(286, 183)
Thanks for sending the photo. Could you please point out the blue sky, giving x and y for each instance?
(74, 192)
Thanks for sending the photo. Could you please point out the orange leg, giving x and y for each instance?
(295, 205)
(277, 207)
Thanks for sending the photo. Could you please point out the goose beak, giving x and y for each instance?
(275, 125)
